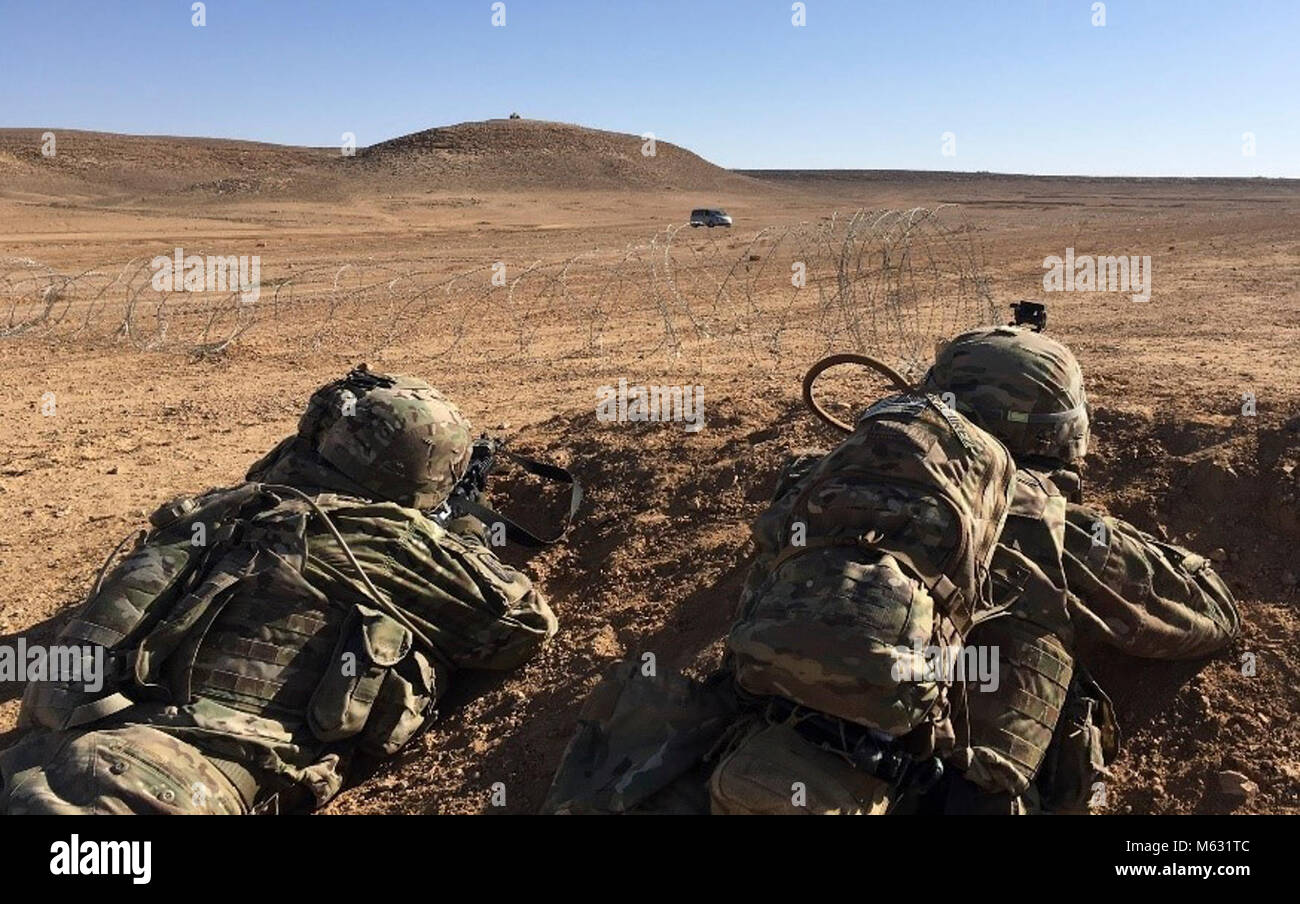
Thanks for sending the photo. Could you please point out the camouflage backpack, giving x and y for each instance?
(881, 550)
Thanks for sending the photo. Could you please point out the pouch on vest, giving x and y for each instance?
(363, 684)
(404, 704)
(844, 631)
(1085, 743)
(1004, 732)
(772, 771)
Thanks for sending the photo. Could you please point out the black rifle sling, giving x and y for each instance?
(516, 532)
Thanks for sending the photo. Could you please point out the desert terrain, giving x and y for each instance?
(388, 256)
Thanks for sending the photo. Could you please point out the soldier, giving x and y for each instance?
(1031, 743)
(915, 538)
(261, 637)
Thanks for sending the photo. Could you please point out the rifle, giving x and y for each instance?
(466, 497)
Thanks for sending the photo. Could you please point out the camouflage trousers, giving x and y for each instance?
(132, 769)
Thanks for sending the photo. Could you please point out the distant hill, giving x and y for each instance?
(102, 164)
(506, 155)
(534, 154)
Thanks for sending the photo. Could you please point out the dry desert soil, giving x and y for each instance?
(394, 248)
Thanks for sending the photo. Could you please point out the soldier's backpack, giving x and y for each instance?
(881, 550)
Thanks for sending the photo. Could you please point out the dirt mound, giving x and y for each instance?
(533, 154)
(1233, 494)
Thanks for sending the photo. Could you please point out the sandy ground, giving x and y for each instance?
(658, 556)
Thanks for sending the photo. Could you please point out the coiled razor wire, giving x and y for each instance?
(887, 283)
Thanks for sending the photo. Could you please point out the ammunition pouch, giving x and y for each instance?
(888, 759)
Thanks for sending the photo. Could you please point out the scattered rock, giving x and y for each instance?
(1235, 787)
(1219, 554)
(606, 644)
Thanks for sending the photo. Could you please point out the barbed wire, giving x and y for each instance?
(883, 282)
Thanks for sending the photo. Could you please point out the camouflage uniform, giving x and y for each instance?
(1062, 578)
(1102, 581)
(255, 651)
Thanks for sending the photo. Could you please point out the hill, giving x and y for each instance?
(514, 154)
(500, 155)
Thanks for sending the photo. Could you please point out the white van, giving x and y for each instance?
(709, 217)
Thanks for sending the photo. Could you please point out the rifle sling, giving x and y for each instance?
(516, 532)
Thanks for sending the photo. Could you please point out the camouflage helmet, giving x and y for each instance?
(395, 436)
(1021, 386)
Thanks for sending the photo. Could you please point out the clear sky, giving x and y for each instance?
(1165, 87)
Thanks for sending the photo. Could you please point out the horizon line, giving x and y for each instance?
(741, 170)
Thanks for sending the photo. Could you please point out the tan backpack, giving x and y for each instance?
(881, 549)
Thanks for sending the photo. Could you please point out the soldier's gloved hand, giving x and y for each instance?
(1069, 483)
(469, 527)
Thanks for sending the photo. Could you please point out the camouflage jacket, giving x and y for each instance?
(265, 647)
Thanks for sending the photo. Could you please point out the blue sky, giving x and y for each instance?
(1166, 87)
